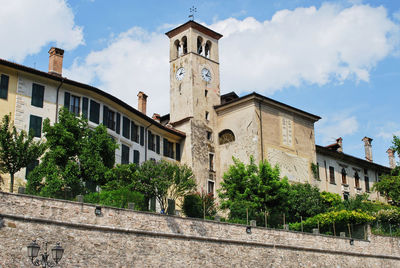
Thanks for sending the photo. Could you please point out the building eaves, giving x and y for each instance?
(194, 25)
(90, 88)
(351, 159)
(269, 101)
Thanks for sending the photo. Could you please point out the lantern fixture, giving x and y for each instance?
(33, 252)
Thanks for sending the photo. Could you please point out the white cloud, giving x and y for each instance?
(339, 125)
(33, 24)
(389, 129)
(294, 48)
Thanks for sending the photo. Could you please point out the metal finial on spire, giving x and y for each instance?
(192, 11)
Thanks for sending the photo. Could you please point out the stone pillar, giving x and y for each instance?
(368, 148)
(392, 161)
(142, 102)
(56, 56)
(340, 143)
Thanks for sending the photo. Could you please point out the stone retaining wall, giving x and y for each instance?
(125, 238)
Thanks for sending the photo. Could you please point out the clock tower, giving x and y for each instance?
(194, 91)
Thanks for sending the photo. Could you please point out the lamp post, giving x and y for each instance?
(56, 254)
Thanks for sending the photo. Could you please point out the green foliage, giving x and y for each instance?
(76, 161)
(17, 149)
(252, 187)
(315, 171)
(164, 180)
(389, 185)
(391, 216)
(338, 217)
(117, 198)
(192, 206)
(331, 201)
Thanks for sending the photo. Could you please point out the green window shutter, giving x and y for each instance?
(150, 140)
(37, 95)
(141, 135)
(126, 126)
(85, 107)
(125, 154)
(4, 86)
(133, 131)
(157, 144)
(67, 97)
(165, 147)
(35, 123)
(178, 151)
(30, 167)
(118, 127)
(105, 116)
(136, 157)
(94, 112)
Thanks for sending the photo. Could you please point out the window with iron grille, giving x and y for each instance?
(168, 148)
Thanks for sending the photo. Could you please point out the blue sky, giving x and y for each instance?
(337, 59)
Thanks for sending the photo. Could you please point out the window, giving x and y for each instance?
(366, 179)
(184, 44)
(210, 187)
(118, 125)
(126, 126)
(141, 135)
(74, 105)
(85, 107)
(344, 179)
(108, 118)
(168, 148)
(207, 49)
(357, 180)
(124, 154)
(30, 167)
(150, 140)
(226, 136)
(346, 196)
(207, 116)
(136, 157)
(37, 95)
(205, 93)
(157, 144)
(178, 151)
(332, 175)
(209, 135)
(4, 86)
(134, 132)
(199, 45)
(35, 124)
(211, 162)
(94, 112)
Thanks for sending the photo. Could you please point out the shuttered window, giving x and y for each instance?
(141, 135)
(157, 144)
(108, 118)
(136, 157)
(134, 132)
(4, 86)
(85, 107)
(150, 140)
(30, 167)
(94, 112)
(37, 95)
(126, 126)
(74, 105)
(118, 125)
(168, 148)
(178, 151)
(35, 124)
(124, 154)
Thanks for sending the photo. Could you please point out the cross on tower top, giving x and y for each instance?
(192, 10)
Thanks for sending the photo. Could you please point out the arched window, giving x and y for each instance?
(357, 180)
(199, 45)
(344, 179)
(184, 44)
(177, 48)
(207, 49)
(226, 136)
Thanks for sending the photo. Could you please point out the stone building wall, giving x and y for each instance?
(124, 238)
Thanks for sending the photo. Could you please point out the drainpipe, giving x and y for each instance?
(58, 90)
(145, 141)
(261, 132)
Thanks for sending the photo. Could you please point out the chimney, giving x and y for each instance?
(392, 162)
(157, 117)
(368, 148)
(142, 102)
(340, 143)
(56, 56)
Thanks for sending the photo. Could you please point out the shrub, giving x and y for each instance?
(194, 204)
(117, 198)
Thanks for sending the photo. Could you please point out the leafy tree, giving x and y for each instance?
(198, 205)
(76, 161)
(164, 180)
(253, 188)
(117, 198)
(17, 149)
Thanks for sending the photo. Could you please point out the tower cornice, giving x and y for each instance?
(196, 26)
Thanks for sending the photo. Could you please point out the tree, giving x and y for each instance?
(17, 149)
(76, 161)
(164, 180)
(252, 187)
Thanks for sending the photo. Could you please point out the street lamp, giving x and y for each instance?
(56, 254)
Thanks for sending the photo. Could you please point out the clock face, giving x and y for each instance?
(206, 75)
(180, 73)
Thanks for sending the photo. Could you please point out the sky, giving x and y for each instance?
(336, 59)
